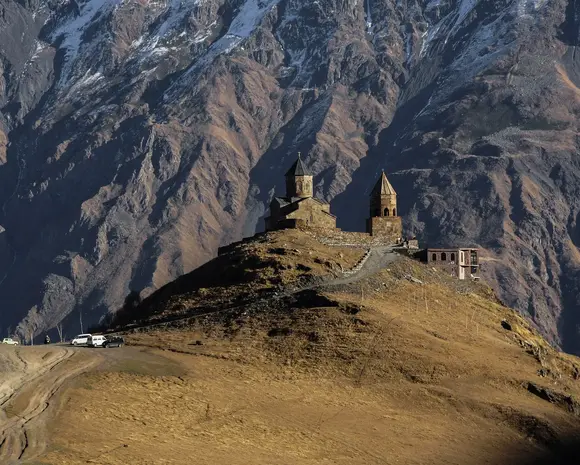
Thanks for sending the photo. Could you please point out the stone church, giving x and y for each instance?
(299, 208)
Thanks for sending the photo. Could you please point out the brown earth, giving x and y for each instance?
(405, 366)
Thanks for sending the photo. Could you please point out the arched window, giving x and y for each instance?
(394, 212)
(452, 257)
(386, 212)
(444, 256)
(434, 257)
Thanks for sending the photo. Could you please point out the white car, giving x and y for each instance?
(80, 340)
(10, 341)
(96, 341)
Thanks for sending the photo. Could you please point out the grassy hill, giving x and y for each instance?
(285, 362)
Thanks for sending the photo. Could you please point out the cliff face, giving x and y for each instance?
(136, 137)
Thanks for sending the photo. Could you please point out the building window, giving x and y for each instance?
(377, 212)
(394, 212)
(473, 257)
(386, 212)
(452, 257)
(434, 257)
(444, 256)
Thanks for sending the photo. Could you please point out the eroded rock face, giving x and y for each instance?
(136, 137)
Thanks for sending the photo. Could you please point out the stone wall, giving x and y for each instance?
(390, 228)
(340, 238)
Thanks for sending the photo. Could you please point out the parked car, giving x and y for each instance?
(80, 340)
(10, 341)
(114, 341)
(96, 341)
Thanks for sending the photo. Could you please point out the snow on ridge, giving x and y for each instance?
(465, 8)
(487, 44)
(248, 17)
(428, 37)
(72, 30)
(176, 11)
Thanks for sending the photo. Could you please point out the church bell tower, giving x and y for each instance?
(383, 198)
(298, 181)
(383, 219)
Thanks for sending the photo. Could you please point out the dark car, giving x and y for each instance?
(114, 341)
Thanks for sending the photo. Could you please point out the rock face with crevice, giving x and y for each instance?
(136, 137)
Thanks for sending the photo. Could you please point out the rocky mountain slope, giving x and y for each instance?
(136, 137)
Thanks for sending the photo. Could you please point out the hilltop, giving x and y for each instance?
(286, 358)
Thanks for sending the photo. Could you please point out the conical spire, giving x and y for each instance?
(383, 186)
(297, 169)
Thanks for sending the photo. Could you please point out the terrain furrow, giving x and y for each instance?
(23, 422)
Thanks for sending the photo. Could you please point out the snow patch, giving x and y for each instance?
(427, 37)
(528, 7)
(88, 79)
(408, 46)
(72, 30)
(368, 19)
(432, 4)
(464, 9)
(485, 46)
(249, 16)
(247, 19)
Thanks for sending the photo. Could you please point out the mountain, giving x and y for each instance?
(136, 137)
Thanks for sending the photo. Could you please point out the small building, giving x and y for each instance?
(460, 262)
(299, 208)
(383, 219)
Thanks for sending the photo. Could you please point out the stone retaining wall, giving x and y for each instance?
(340, 238)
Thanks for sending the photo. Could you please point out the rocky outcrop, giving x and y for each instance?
(137, 137)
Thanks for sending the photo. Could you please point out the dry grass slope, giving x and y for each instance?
(386, 370)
